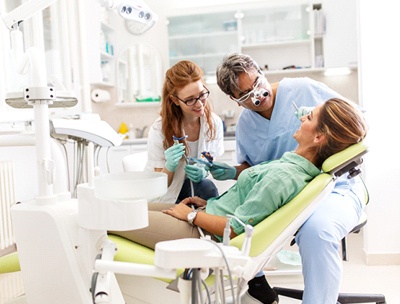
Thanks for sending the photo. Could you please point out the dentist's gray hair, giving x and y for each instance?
(231, 67)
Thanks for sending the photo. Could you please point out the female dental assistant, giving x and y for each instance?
(185, 113)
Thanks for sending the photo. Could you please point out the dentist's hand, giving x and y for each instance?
(222, 171)
(195, 173)
(303, 111)
(173, 155)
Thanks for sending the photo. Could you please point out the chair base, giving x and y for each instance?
(344, 298)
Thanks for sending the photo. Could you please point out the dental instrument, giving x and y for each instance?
(302, 111)
(176, 141)
(295, 105)
(208, 156)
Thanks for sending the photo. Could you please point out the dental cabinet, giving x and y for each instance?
(203, 38)
(101, 47)
(280, 38)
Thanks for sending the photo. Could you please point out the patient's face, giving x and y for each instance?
(307, 133)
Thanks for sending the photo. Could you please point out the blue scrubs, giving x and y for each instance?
(259, 139)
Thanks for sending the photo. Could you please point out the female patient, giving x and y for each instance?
(261, 189)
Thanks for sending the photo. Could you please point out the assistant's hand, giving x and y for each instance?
(222, 171)
(303, 111)
(195, 173)
(173, 155)
(179, 211)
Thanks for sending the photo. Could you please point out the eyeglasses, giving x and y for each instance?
(254, 93)
(192, 101)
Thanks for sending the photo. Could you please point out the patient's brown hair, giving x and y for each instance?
(343, 124)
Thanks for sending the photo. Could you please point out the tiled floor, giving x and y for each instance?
(357, 278)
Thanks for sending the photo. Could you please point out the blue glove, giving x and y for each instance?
(173, 155)
(303, 111)
(195, 173)
(222, 171)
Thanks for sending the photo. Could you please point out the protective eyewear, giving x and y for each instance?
(192, 101)
(255, 94)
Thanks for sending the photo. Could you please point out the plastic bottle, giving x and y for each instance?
(123, 129)
(105, 70)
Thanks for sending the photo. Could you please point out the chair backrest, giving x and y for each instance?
(135, 161)
(278, 229)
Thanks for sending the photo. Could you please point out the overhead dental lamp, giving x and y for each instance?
(139, 18)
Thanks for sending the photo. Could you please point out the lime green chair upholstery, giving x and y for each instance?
(9, 263)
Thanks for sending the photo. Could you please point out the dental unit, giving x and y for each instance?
(64, 251)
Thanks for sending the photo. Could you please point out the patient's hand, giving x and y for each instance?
(194, 200)
(179, 211)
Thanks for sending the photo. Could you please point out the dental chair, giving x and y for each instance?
(269, 236)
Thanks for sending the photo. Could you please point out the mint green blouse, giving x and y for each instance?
(262, 189)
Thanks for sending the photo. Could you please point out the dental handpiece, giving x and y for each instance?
(176, 141)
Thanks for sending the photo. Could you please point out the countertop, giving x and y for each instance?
(135, 141)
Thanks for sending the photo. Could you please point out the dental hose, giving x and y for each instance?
(191, 182)
(176, 141)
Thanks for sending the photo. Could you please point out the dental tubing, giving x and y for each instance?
(176, 142)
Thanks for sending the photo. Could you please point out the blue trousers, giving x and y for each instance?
(205, 189)
(319, 241)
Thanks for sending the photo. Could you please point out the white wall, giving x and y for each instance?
(380, 49)
(158, 38)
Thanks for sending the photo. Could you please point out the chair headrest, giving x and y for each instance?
(345, 161)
